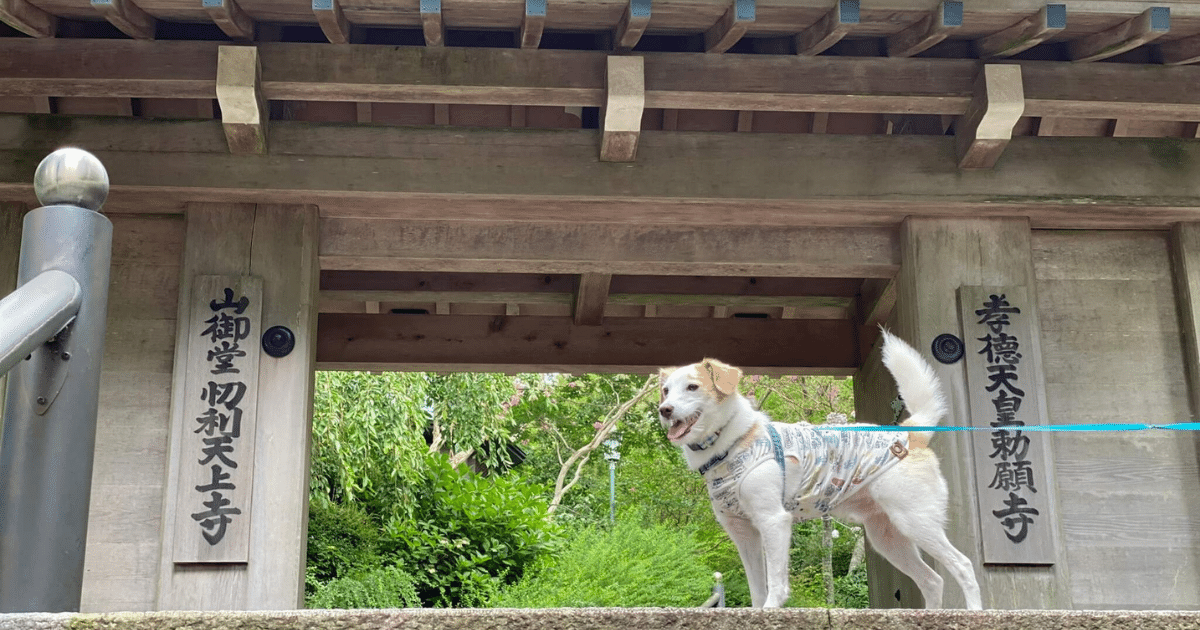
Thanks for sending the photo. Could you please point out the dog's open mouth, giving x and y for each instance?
(680, 427)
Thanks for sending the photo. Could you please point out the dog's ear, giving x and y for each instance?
(724, 377)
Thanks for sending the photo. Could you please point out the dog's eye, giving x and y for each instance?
(664, 391)
(693, 387)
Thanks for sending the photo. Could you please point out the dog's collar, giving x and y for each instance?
(706, 442)
(717, 459)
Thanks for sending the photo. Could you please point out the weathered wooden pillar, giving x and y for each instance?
(946, 266)
(1185, 260)
(234, 525)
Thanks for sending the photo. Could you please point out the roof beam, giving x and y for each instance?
(930, 30)
(230, 17)
(985, 130)
(239, 92)
(332, 20)
(1049, 21)
(432, 23)
(633, 23)
(128, 17)
(828, 30)
(418, 342)
(532, 23)
(1145, 27)
(31, 20)
(1180, 51)
(738, 18)
(625, 82)
(590, 298)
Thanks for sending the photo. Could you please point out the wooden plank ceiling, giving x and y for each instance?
(613, 184)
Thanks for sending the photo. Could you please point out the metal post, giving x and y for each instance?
(50, 413)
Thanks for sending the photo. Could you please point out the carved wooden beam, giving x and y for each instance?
(829, 30)
(230, 17)
(332, 20)
(738, 18)
(128, 17)
(633, 23)
(985, 130)
(1147, 26)
(31, 20)
(239, 91)
(626, 100)
(532, 23)
(1029, 32)
(930, 30)
(432, 24)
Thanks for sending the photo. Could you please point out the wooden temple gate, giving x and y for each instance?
(614, 185)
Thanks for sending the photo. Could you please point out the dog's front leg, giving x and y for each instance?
(775, 531)
(749, 545)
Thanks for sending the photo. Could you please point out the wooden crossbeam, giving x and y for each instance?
(230, 17)
(239, 92)
(128, 17)
(738, 18)
(986, 129)
(1145, 27)
(332, 20)
(27, 18)
(590, 298)
(1180, 51)
(502, 343)
(633, 23)
(432, 23)
(828, 30)
(626, 100)
(930, 30)
(1049, 21)
(532, 23)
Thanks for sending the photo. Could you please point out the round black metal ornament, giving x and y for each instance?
(278, 341)
(947, 348)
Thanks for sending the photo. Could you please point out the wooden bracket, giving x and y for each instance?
(230, 17)
(1145, 27)
(738, 18)
(1180, 51)
(632, 25)
(28, 19)
(239, 92)
(590, 298)
(332, 20)
(1029, 32)
(828, 30)
(625, 82)
(532, 23)
(432, 24)
(984, 131)
(930, 30)
(126, 16)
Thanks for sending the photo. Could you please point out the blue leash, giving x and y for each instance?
(1177, 426)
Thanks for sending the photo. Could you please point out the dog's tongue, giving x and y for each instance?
(677, 430)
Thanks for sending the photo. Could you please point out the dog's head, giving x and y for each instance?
(689, 396)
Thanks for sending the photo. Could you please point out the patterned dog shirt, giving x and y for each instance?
(822, 468)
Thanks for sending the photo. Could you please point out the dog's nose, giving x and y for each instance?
(666, 410)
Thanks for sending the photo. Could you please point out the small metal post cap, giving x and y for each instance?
(73, 177)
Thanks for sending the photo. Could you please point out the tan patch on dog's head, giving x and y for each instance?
(721, 379)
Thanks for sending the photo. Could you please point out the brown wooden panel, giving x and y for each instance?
(349, 340)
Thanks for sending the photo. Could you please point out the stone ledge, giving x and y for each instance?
(611, 619)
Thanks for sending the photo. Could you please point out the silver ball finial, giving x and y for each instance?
(72, 177)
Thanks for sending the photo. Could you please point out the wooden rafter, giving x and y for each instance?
(126, 16)
(229, 16)
(27, 18)
(532, 23)
(432, 24)
(828, 30)
(1180, 51)
(618, 344)
(1145, 27)
(332, 20)
(633, 23)
(930, 30)
(738, 18)
(590, 298)
(1029, 32)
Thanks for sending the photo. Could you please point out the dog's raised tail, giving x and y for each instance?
(918, 384)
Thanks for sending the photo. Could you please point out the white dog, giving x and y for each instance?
(762, 476)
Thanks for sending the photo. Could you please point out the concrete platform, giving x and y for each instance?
(610, 619)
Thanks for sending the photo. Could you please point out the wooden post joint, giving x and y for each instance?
(239, 92)
(625, 81)
(985, 130)
(590, 298)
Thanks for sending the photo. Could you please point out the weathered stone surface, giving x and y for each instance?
(611, 619)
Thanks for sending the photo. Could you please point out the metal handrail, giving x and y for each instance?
(35, 312)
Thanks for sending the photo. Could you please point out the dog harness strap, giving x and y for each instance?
(777, 446)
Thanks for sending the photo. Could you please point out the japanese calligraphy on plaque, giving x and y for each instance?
(216, 460)
(1011, 465)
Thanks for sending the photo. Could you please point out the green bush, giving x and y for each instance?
(627, 565)
(386, 587)
(342, 540)
(471, 534)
